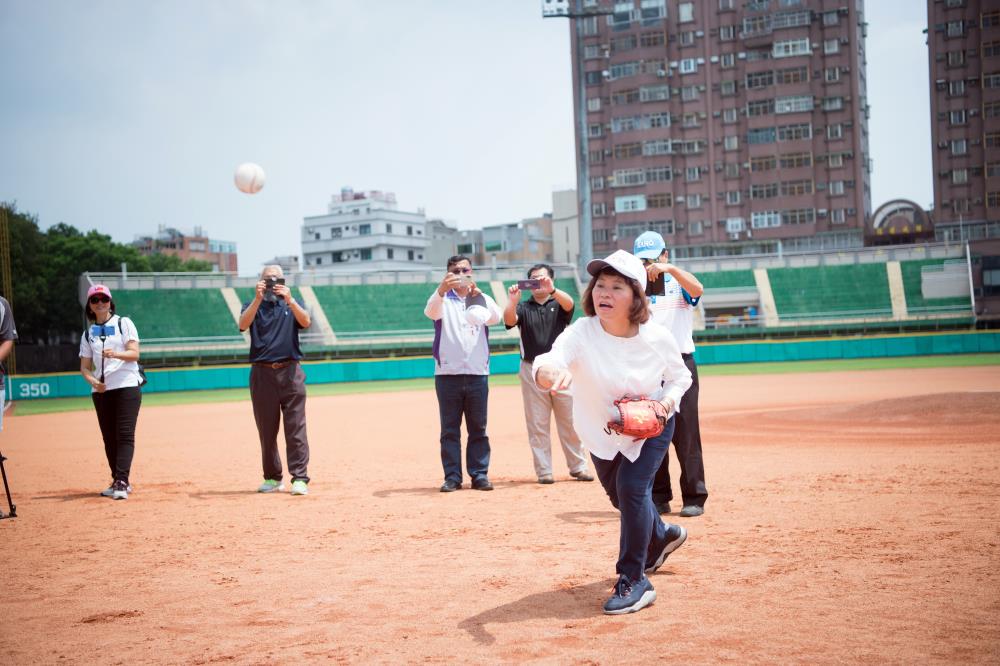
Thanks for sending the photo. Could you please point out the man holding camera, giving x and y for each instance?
(673, 295)
(540, 320)
(461, 315)
(277, 382)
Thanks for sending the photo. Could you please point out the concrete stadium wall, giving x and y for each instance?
(70, 384)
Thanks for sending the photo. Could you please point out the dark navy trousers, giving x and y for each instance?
(458, 396)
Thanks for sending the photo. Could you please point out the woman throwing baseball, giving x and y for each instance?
(109, 355)
(610, 354)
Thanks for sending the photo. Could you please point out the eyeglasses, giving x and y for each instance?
(94, 300)
(460, 271)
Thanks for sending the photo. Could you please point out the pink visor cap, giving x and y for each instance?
(625, 263)
(98, 289)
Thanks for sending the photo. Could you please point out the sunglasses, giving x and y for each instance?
(460, 271)
(94, 300)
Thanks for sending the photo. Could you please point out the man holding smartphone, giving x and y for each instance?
(461, 315)
(671, 304)
(277, 382)
(540, 320)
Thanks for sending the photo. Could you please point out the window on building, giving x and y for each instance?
(831, 18)
(648, 39)
(831, 74)
(689, 93)
(798, 216)
(834, 160)
(765, 163)
(366, 254)
(658, 147)
(991, 109)
(763, 219)
(760, 135)
(409, 255)
(835, 131)
(630, 203)
(733, 198)
(595, 130)
(623, 44)
(791, 19)
(689, 120)
(956, 28)
(761, 107)
(991, 80)
(658, 174)
(992, 140)
(727, 88)
(731, 142)
(626, 150)
(837, 216)
(993, 169)
(795, 160)
(336, 232)
(687, 37)
(727, 60)
(389, 254)
(991, 49)
(991, 19)
(791, 188)
(795, 132)
(319, 261)
(792, 75)
(793, 104)
(685, 12)
(727, 33)
(957, 117)
(596, 183)
(956, 88)
(693, 201)
(599, 209)
(692, 174)
(993, 201)
(662, 200)
(727, 5)
(364, 229)
(758, 80)
(730, 115)
(791, 47)
(591, 51)
(959, 146)
(757, 25)
(593, 104)
(959, 176)
(831, 46)
(592, 78)
(833, 103)
(388, 228)
(732, 170)
(836, 187)
(696, 227)
(688, 66)
(956, 58)
(316, 236)
(764, 191)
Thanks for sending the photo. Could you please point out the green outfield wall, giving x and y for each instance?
(70, 384)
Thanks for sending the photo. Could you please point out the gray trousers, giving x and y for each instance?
(276, 393)
(538, 406)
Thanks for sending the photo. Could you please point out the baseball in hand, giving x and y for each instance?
(249, 178)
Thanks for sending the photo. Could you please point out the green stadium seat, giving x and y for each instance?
(177, 313)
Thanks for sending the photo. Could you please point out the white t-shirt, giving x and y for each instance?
(117, 373)
(606, 368)
(675, 311)
(461, 337)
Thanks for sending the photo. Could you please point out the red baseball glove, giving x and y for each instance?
(639, 418)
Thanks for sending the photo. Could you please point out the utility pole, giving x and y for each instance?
(560, 9)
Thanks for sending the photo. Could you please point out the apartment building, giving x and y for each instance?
(193, 245)
(729, 126)
(963, 41)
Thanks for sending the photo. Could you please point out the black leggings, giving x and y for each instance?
(117, 413)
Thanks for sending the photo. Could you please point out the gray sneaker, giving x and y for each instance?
(120, 489)
(110, 490)
(271, 486)
(692, 510)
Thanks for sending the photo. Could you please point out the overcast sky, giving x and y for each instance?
(126, 114)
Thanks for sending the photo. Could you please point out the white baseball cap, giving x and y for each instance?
(627, 264)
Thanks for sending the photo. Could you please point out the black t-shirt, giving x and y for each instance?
(274, 333)
(540, 324)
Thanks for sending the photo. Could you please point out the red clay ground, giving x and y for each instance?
(853, 517)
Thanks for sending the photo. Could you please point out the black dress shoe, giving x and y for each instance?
(482, 483)
(450, 486)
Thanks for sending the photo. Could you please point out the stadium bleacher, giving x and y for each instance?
(818, 292)
(177, 313)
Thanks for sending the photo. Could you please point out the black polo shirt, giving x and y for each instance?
(274, 333)
(540, 324)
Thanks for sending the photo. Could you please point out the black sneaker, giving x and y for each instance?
(692, 510)
(119, 490)
(481, 483)
(629, 597)
(450, 486)
(662, 508)
(676, 535)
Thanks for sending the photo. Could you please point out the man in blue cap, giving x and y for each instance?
(675, 311)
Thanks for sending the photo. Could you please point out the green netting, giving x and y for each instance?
(177, 313)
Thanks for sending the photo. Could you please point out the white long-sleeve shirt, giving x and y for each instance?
(461, 341)
(605, 368)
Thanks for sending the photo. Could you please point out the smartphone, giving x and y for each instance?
(531, 284)
(657, 287)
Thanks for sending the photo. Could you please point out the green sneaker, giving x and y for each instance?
(300, 487)
(271, 486)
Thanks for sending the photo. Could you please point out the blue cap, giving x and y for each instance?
(649, 245)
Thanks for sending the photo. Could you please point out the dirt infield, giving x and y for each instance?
(852, 518)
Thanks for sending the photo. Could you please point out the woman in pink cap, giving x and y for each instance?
(109, 361)
(611, 353)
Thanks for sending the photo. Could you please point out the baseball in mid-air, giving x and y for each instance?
(249, 178)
